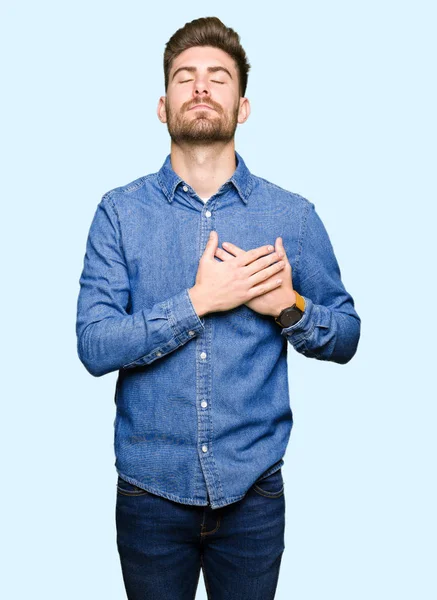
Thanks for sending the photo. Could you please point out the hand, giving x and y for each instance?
(273, 301)
(226, 284)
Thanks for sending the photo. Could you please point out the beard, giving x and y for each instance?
(200, 127)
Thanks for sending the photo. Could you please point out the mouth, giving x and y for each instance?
(203, 106)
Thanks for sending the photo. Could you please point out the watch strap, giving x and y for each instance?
(300, 301)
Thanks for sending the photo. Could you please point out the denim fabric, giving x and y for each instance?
(202, 404)
(163, 545)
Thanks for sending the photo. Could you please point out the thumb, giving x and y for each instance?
(279, 247)
(211, 244)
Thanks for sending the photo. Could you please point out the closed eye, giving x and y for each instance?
(213, 81)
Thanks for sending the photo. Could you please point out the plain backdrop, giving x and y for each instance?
(343, 98)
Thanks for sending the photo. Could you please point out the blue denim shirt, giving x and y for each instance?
(202, 404)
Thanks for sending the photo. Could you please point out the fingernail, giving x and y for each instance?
(269, 248)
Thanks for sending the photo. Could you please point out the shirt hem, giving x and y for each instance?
(192, 501)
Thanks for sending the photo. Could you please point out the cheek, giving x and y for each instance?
(176, 101)
(226, 103)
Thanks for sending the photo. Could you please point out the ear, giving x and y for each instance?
(244, 111)
(161, 112)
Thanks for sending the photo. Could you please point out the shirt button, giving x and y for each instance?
(185, 188)
(204, 404)
(203, 355)
(208, 213)
(158, 353)
(191, 332)
(204, 448)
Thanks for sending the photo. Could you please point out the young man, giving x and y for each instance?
(199, 335)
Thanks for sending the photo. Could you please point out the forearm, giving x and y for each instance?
(138, 339)
(199, 301)
(325, 333)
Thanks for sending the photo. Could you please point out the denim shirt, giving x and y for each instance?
(202, 404)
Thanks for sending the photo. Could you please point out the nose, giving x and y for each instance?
(201, 86)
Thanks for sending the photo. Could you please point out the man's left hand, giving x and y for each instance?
(272, 302)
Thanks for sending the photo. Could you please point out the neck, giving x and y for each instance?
(204, 168)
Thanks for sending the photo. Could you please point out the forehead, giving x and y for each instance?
(203, 57)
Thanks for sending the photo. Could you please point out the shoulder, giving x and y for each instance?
(126, 193)
(296, 200)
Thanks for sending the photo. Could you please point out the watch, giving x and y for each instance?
(292, 314)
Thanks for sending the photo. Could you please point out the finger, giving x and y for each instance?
(232, 248)
(211, 244)
(250, 255)
(268, 272)
(261, 263)
(279, 247)
(223, 255)
(265, 286)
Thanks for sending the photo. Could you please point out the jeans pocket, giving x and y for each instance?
(271, 486)
(129, 489)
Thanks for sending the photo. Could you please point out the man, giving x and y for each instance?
(199, 336)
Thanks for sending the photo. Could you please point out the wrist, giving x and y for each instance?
(289, 302)
(199, 302)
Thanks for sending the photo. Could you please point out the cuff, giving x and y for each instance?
(302, 329)
(184, 320)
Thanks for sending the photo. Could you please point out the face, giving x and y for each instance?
(203, 102)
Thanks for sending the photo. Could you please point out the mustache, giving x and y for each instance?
(208, 103)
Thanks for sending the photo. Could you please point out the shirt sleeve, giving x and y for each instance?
(108, 336)
(330, 327)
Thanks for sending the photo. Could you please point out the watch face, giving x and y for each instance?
(291, 316)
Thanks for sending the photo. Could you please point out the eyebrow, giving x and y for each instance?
(194, 69)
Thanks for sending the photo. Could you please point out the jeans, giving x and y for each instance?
(163, 545)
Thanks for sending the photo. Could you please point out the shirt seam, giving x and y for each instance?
(131, 187)
(302, 233)
(121, 245)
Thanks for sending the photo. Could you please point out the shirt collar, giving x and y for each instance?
(241, 179)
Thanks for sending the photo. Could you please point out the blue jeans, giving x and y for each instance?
(163, 545)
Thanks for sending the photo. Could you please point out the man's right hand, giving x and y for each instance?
(224, 285)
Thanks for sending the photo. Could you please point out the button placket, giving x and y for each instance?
(203, 379)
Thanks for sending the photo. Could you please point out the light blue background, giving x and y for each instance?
(343, 112)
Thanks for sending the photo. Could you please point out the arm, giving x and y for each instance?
(330, 327)
(108, 338)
